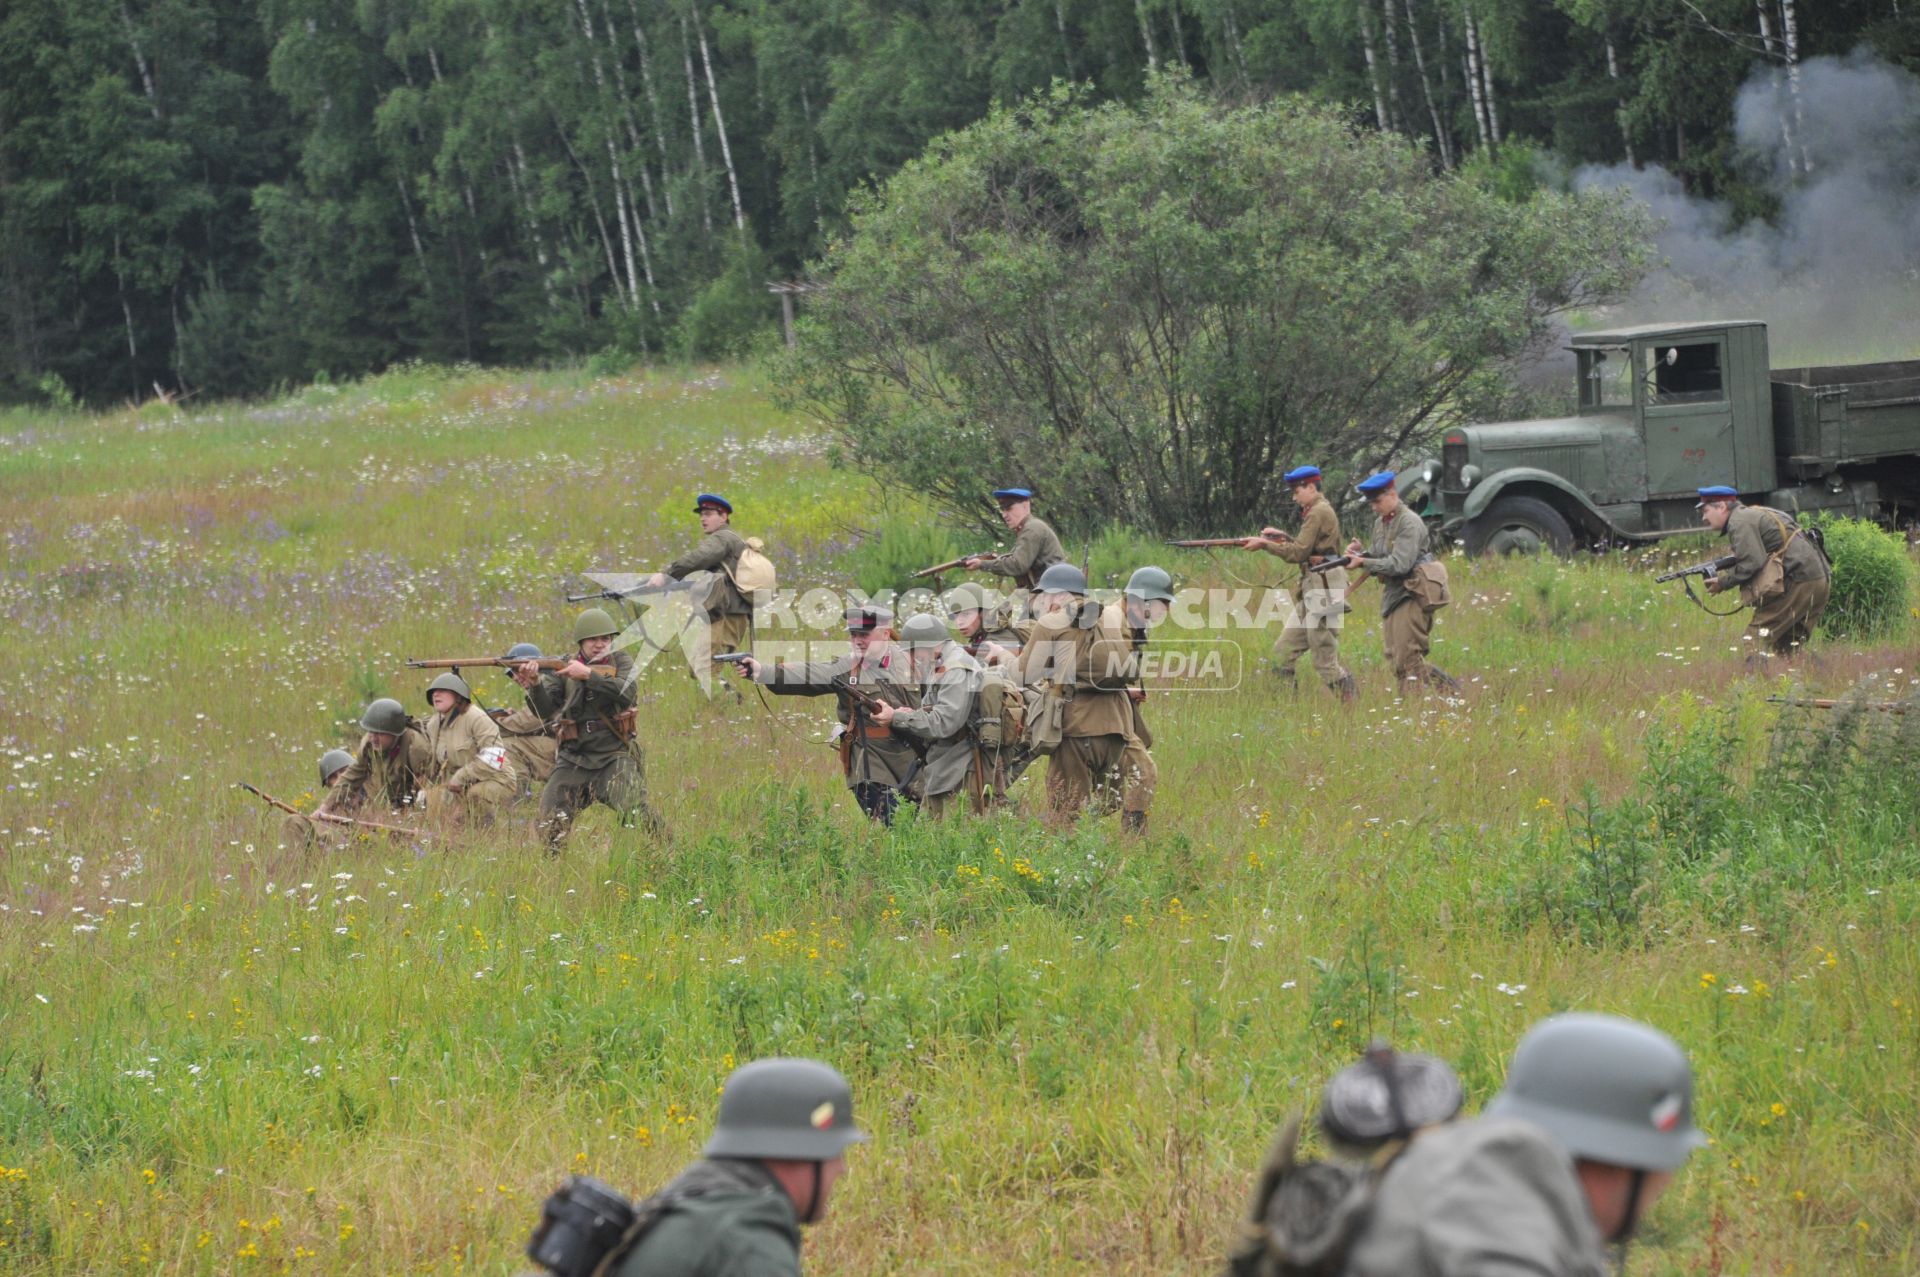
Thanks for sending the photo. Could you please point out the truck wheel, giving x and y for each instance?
(1519, 525)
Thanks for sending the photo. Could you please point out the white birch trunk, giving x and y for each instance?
(1790, 42)
(1440, 138)
(1394, 109)
(720, 125)
(693, 116)
(1146, 35)
(1619, 103)
(1373, 68)
(653, 97)
(1474, 88)
(140, 61)
(522, 186)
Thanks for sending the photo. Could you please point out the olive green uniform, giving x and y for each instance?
(1319, 600)
(731, 1218)
(1399, 549)
(729, 612)
(593, 764)
(1086, 648)
(379, 782)
(1487, 1197)
(944, 725)
(530, 746)
(1783, 621)
(874, 760)
(1035, 549)
(467, 751)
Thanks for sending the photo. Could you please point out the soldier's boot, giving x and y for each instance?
(1346, 689)
(1133, 824)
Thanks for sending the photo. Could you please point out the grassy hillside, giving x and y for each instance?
(218, 1055)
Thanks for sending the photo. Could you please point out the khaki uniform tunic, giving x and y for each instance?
(1091, 653)
(944, 723)
(870, 755)
(467, 751)
(1320, 598)
(1036, 548)
(1785, 621)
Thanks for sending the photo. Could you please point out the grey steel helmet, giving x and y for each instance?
(332, 763)
(968, 596)
(594, 623)
(1151, 584)
(449, 682)
(385, 715)
(1608, 1089)
(522, 652)
(1062, 578)
(787, 1109)
(923, 629)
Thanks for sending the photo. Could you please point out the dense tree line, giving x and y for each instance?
(221, 195)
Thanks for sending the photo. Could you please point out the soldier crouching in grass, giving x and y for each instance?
(1783, 576)
(471, 775)
(300, 831)
(590, 701)
(388, 770)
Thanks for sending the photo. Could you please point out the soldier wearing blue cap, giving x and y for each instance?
(1320, 598)
(729, 610)
(1036, 547)
(1413, 583)
(1782, 574)
(528, 740)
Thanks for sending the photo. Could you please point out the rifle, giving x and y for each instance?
(1207, 543)
(1710, 570)
(634, 592)
(331, 818)
(551, 664)
(1808, 702)
(940, 568)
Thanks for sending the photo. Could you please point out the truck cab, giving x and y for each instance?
(1662, 410)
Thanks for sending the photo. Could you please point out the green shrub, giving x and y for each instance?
(887, 555)
(1871, 578)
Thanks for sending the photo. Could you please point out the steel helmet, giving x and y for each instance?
(332, 763)
(385, 715)
(523, 652)
(1062, 578)
(787, 1109)
(1609, 1090)
(449, 682)
(968, 596)
(1151, 584)
(923, 629)
(594, 623)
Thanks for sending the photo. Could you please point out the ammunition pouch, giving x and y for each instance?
(580, 1225)
(1429, 586)
(1000, 713)
(1306, 1215)
(1045, 711)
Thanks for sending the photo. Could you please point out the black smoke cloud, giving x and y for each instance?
(1837, 274)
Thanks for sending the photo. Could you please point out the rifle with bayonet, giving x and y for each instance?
(939, 569)
(551, 664)
(326, 817)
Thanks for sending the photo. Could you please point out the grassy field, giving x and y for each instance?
(221, 1056)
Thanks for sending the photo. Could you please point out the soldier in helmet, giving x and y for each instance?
(1036, 547)
(1147, 599)
(985, 621)
(729, 610)
(778, 1149)
(388, 770)
(300, 830)
(1595, 1118)
(879, 766)
(1413, 584)
(528, 740)
(1078, 656)
(590, 702)
(471, 773)
(1320, 598)
(949, 683)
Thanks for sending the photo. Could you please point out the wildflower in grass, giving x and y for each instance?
(346, 1230)
(149, 1175)
(1708, 980)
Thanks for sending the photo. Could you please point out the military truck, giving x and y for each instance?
(1663, 410)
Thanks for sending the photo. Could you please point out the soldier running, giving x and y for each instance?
(729, 611)
(1413, 583)
(1035, 545)
(1787, 600)
(1320, 596)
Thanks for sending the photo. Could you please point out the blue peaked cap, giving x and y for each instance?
(1374, 484)
(1013, 494)
(1300, 474)
(708, 499)
(1717, 492)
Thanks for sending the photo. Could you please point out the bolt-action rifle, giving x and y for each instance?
(941, 568)
(1817, 702)
(551, 664)
(326, 817)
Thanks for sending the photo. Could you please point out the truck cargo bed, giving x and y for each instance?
(1844, 414)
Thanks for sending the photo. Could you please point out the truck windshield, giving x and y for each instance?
(1606, 378)
(1684, 374)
